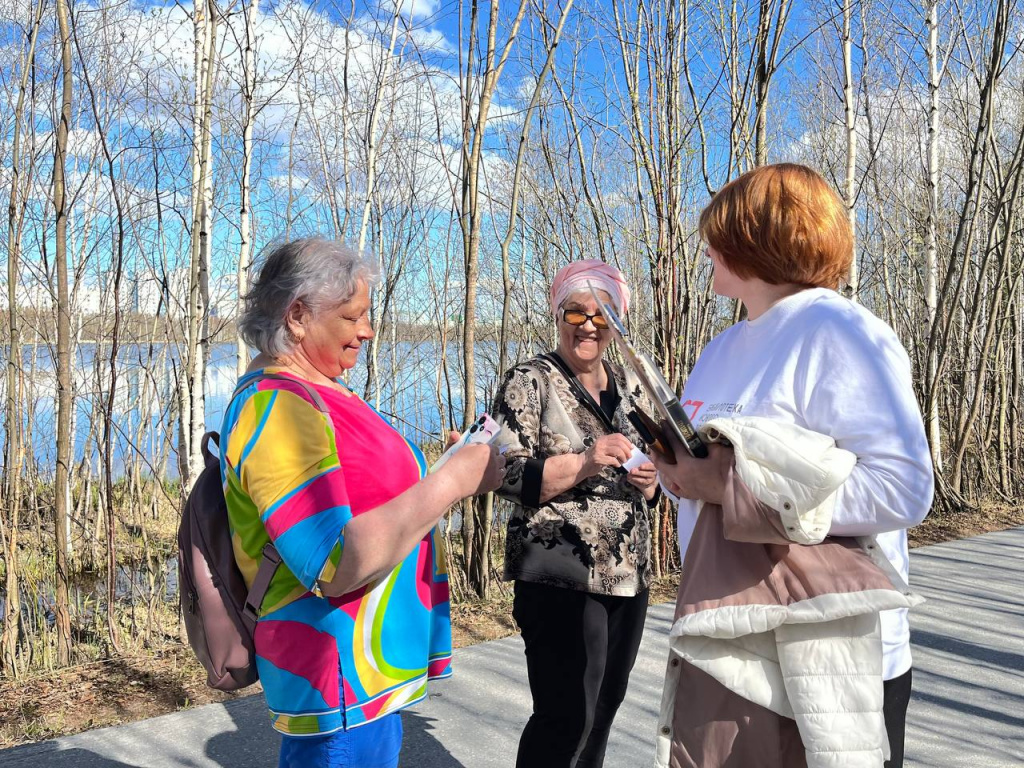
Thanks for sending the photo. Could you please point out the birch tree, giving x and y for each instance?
(65, 384)
(10, 515)
(956, 274)
(773, 16)
(376, 94)
(850, 111)
(192, 394)
(931, 248)
(251, 10)
(552, 40)
(116, 273)
(478, 81)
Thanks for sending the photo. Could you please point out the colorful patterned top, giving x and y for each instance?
(596, 536)
(329, 663)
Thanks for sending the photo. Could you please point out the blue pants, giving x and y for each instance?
(374, 745)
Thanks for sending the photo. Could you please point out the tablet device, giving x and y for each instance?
(673, 417)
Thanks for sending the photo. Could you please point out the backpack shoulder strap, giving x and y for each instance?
(315, 396)
(264, 575)
(318, 401)
(271, 557)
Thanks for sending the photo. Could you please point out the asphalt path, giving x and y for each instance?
(967, 708)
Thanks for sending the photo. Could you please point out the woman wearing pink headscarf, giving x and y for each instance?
(578, 544)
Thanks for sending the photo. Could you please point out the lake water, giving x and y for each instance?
(145, 421)
(145, 410)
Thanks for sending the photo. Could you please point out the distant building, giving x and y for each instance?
(148, 294)
(33, 296)
(88, 300)
(224, 297)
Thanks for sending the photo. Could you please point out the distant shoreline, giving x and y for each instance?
(151, 329)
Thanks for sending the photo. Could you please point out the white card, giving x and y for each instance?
(636, 458)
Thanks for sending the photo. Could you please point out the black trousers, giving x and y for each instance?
(896, 694)
(580, 649)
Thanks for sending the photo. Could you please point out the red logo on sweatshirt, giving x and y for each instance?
(695, 405)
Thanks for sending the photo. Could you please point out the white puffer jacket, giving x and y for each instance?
(793, 626)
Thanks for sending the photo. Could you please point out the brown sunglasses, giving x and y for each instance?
(579, 317)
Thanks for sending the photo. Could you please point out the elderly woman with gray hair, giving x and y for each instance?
(579, 540)
(356, 618)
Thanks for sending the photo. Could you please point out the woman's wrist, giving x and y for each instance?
(586, 470)
(443, 490)
(651, 493)
(559, 474)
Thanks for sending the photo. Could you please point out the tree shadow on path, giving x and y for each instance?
(420, 748)
(49, 755)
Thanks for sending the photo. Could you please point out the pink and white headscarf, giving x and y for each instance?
(604, 277)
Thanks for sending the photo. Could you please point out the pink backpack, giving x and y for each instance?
(219, 612)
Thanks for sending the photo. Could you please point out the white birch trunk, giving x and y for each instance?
(245, 219)
(13, 447)
(849, 103)
(931, 247)
(371, 128)
(194, 400)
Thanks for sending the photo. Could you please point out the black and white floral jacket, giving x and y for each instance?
(594, 537)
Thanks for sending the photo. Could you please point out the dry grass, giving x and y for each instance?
(102, 693)
(962, 524)
(149, 683)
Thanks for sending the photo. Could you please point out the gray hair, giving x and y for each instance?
(320, 273)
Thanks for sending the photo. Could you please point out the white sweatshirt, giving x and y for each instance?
(822, 362)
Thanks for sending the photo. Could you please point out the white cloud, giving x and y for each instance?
(84, 143)
(431, 40)
(414, 10)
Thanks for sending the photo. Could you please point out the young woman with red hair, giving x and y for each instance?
(796, 525)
